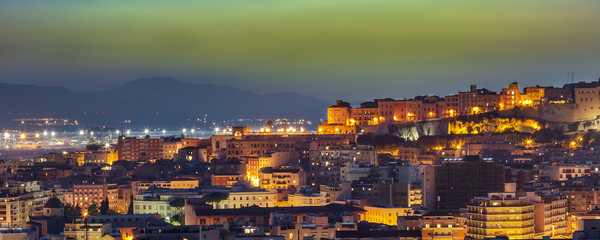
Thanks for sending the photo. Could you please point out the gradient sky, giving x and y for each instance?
(354, 50)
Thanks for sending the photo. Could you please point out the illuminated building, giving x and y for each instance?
(52, 219)
(500, 214)
(339, 114)
(147, 149)
(325, 162)
(354, 171)
(580, 196)
(367, 114)
(550, 214)
(307, 199)
(287, 178)
(197, 214)
(85, 194)
(450, 106)
(80, 230)
(510, 97)
(126, 224)
(100, 157)
(563, 172)
(440, 225)
(253, 165)
(138, 186)
(247, 199)
(153, 204)
(226, 180)
(316, 226)
(16, 209)
(477, 101)
(139, 149)
(385, 215)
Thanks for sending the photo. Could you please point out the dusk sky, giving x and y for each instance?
(330, 49)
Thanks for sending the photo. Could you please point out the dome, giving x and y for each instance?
(54, 203)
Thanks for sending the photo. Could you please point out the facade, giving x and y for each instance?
(457, 182)
(551, 215)
(138, 186)
(148, 149)
(85, 194)
(226, 180)
(83, 231)
(144, 204)
(500, 214)
(248, 199)
(16, 209)
(139, 149)
(100, 157)
(281, 178)
(440, 225)
(567, 171)
(385, 215)
(325, 162)
(304, 200)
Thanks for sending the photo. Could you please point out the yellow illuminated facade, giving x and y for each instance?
(304, 200)
(500, 214)
(385, 215)
(281, 178)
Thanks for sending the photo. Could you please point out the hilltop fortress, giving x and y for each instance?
(574, 107)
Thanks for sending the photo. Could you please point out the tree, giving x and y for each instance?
(547, 135)
(178, 219)
(130, 209)
(215, 197)
(104, 207)
(71, 210)
(93, 209)
(178, 203)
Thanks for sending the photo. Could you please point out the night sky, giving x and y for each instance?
(331, 49)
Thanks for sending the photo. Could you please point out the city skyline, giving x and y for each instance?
(361, 50)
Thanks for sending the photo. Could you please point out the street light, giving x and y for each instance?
(85, 222)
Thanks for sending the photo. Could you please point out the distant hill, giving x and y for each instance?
(142, 99)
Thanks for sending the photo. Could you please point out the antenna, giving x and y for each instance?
(572, 73)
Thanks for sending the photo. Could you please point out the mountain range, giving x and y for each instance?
(154, 100)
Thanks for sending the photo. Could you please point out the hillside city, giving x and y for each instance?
(520, 163)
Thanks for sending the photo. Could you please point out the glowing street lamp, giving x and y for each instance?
(45, 133)
(81, 132)
(164, 131)
(117, 132)
(184, 130)
(146, 131)
(52, 133)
